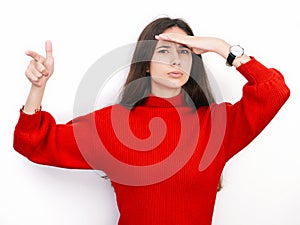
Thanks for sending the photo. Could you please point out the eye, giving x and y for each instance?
(163, 51)
(184, 51)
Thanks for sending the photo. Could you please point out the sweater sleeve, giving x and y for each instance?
(42, 141)
(263, 96)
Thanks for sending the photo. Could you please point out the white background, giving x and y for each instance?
(261, 184)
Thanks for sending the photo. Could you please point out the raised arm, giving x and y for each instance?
(200, 45)
(37, 136)
(38, 72)
(263, 95)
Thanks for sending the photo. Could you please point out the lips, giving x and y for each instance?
(175, 74)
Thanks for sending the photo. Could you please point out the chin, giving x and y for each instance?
(170, 83)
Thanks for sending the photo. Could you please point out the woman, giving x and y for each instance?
(165, 145)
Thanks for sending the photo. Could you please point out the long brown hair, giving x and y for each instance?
(138, 83)
(138, 86)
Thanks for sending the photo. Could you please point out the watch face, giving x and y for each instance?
(237, 50)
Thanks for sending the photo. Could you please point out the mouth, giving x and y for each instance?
(175, 74)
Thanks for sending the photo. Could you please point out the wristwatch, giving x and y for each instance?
(235, 51)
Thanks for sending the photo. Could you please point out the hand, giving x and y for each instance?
(198, 45)
(40, 68)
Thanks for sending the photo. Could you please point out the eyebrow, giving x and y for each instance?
(163, 46)
(168, 46)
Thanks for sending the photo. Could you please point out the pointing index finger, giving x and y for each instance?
(37, 57)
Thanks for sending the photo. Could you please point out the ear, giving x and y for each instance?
(148, 72)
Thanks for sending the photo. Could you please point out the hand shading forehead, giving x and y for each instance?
(169, 44)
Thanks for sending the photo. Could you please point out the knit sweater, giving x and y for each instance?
(164, 158)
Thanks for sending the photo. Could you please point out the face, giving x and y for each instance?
(170, 65)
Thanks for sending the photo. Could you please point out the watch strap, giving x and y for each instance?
(230, 59)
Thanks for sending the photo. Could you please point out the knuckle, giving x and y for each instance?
(45, 73)
(27, 73)
(31, 64)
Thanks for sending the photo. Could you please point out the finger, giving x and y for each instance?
(48, 47)
(37, 69)
(164, 37)
(36, 72)
(33, 79)
(41, 69)
(183, 39)
(31, 76)
(176, 38)
(37, 57)
(49, 62)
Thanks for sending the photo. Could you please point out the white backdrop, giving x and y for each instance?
(261, 184)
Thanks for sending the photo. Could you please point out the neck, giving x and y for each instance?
(165, 92)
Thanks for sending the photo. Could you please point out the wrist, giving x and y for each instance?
(236, 56)
(222, 48)
(30, 110)
(34, 100)
(241, 60)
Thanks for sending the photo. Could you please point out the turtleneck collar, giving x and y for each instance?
(155, 101)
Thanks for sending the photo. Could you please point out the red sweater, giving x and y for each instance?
(164, 158)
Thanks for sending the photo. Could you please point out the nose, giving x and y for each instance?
(175, 61)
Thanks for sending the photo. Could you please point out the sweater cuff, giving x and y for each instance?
(29, 122)
(255, 72)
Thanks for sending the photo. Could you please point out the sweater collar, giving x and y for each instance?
(155, 101)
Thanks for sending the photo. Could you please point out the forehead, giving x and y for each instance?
(175, 30)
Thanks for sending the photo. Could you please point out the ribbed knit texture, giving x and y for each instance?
(164, 158)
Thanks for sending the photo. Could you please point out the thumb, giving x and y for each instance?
(48, 47)
(49, 62)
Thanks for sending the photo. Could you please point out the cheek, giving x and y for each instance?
(186, 65)
(161, 58)
(156, 68)
(184, 79)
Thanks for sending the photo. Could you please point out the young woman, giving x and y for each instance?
(165, 144)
